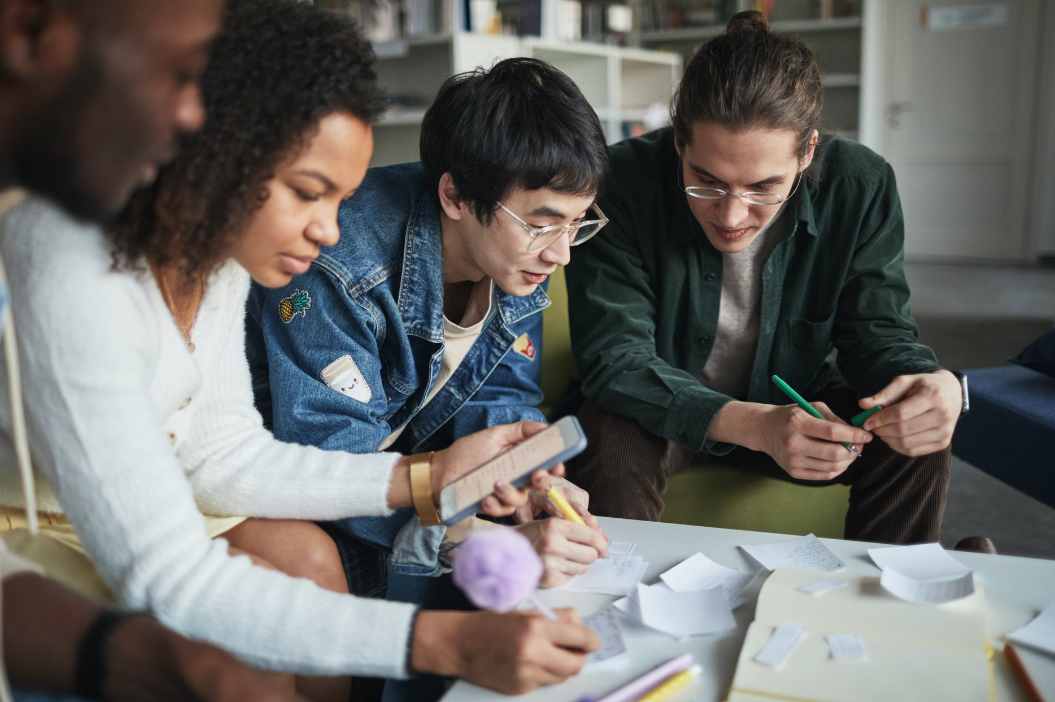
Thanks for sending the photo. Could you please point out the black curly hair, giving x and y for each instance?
(277, 69)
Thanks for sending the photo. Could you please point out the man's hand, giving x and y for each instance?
(470, 452)
(538, 502)
(919, 412)
(806, 447)
(511, 653)
(566, 548)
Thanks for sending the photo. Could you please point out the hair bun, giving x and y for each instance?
(748, 21)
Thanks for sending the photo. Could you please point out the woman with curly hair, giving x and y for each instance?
(140, 404)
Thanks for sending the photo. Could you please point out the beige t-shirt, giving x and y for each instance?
(728, 368)
(457, 340)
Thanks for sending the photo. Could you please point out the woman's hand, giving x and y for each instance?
(512, 653)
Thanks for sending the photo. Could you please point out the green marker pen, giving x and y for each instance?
(860, 419)
(809, 408)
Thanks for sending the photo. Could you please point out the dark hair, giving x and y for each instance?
(521, 124)
(746, 78)
(278, 68)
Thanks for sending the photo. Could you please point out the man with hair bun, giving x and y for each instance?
(743, 245)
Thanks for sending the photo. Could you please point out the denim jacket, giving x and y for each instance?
(347, 353)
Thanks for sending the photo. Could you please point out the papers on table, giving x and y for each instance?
(606, 625)
(923, 573)
(1039, 633)
(678, 614)
(803, 553)
(620, 548)
(846, 647)
(615, 575)
(781, 643)
(700, 573)
(818, 587)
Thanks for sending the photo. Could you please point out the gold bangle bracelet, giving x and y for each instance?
(421, 488)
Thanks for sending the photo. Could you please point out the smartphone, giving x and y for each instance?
(555, 444)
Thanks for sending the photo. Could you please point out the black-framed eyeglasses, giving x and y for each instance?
(759, 198)
(578, 232)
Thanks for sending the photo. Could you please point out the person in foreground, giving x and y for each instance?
(75, 76)
(424, 322)
(142, 420)
(742, 246)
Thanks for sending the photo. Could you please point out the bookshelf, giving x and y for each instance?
(836, 40)
(629, 88)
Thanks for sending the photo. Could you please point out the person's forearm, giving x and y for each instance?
(434, 648)
(43, 625)
(738, 423)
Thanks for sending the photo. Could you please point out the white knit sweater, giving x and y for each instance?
(133, 464)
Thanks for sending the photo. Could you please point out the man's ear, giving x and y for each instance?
(451, 201)
(37, 38)
(811, 149)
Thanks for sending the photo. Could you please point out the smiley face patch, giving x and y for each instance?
(345, 377)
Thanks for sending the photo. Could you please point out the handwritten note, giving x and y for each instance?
(781, 643)
(1039, 633)
(923, 573)
(699, 572)
(803, 553)
(606, 625)
(846, 647)
(620, 548)
(615, 575)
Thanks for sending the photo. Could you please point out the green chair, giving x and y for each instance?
(711, 494)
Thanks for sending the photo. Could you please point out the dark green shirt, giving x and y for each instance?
(644, 294)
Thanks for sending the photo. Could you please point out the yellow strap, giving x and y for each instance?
(421, 488)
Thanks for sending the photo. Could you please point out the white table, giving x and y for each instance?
(1016, 589)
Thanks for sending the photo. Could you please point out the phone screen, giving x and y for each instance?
(508, 466)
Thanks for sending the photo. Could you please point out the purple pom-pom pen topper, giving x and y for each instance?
(497, 569)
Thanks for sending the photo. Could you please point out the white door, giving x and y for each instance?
(957, 126)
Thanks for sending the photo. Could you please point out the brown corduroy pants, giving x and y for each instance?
(894, 499)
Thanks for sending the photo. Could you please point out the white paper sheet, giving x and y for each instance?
(678, 614)
(606, 625)
(1039, 633)
(818, 587)
(620, 548)
(699, 572)
(924, 573)
(804, 553)
(781, 643)
(846, 647)
(616, 575)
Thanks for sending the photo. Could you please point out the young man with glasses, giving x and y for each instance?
(743, 246)
(424, 323)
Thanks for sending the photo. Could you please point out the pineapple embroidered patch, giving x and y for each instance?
(345, 377)
(524, 347)
(297, 303)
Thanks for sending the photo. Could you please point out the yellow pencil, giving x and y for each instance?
(563, 505)
(672, 685)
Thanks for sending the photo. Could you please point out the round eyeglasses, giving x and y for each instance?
(759, 198)
(578, 232)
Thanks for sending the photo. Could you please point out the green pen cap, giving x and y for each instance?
(860, 419)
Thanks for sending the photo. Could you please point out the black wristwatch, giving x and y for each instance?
(966, 406)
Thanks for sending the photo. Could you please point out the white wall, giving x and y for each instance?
(1043, 210)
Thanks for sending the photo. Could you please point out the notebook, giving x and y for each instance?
(911, 651)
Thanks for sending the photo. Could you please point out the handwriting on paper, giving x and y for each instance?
(606, 625)
(804, 553)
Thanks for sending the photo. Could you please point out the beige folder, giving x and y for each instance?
(915, 652)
